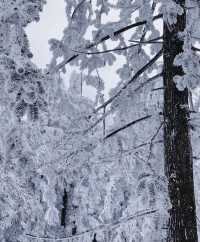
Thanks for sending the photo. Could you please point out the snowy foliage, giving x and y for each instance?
(109, 187)
(63, 173)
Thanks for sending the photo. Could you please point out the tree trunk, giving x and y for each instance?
(182, 225)
(64, 208)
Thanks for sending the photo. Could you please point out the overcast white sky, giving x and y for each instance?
(51, 25)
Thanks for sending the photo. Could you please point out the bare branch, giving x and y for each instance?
(137, 74)
(127, 126)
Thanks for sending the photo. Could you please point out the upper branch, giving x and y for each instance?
(139, 43)
(137, 74)
(107, 37)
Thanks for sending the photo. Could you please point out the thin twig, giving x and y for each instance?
(105, 114)
(145, 27)
(146, 42)
(195, 48)
(102, 118)
(151, 145)
(148, 81)
(153, 41)
(76, 8)
(157, 89)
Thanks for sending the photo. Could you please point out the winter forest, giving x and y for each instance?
(92, 157)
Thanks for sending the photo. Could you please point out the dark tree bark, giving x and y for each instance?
(182, 225)
(64, 209)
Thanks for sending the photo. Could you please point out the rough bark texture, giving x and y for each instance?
(182, 225)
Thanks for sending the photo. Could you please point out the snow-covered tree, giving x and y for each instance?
(134, 40)
(21, 99)
(39, 132)
(118, 168)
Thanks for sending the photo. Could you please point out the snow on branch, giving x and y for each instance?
(107, 37)
(137, 74)
(148, 81)
(98, 228)
(152, 41)
(151, 146)
(106, 114)
(127, 126)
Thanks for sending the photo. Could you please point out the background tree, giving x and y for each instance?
(37, 133)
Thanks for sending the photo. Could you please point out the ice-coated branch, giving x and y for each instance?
(77, 7)
(98, 228)
(151, 145)
(107, 37)
(104, 116)
(153, 41)
(148, 81)
(137, 74)
(195, 48)
(127, 126)
(145, 28)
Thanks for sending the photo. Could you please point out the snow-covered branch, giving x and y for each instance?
(107, 37)
(127, 126)
(137, 74)
(102, 227)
